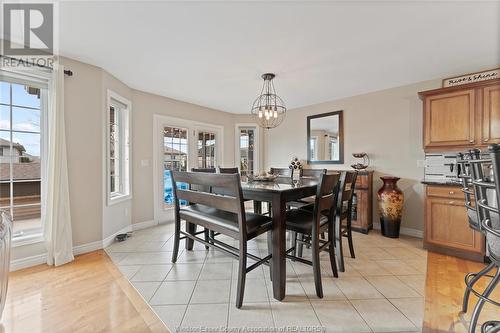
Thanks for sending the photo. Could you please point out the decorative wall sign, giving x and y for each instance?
(472, 77)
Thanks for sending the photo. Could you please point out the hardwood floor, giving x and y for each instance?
(87, 295)
(444, 291)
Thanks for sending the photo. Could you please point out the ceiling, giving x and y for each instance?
(213, 53)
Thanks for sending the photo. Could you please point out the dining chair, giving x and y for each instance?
(343, 211)
(228, 170)
(281, 172)
(487, 200)
(304, 202)
(224, 214)
(312, 223)
(204, 189)
(206, 170)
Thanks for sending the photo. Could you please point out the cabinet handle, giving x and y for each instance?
(485, 140)
(451, 203)
(471, 141)
(452, 192)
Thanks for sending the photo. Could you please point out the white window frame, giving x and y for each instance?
(315, 139)
(237, 157)
(162, 215)
(125, 153)
(35, 77)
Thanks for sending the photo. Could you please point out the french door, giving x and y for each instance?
(181, 145)
(247, 148)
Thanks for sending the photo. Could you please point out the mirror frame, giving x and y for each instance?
(341, 137)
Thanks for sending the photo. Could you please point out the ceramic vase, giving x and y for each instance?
(390, 203)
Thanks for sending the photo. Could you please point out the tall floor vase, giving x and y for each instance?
(390, 203)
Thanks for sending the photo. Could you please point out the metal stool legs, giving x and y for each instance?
(491, 327)
(477, 310)
(470, 283)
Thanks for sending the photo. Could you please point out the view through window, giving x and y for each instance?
(247, 151)
(175, 155)
(206, 150)
(21, 111)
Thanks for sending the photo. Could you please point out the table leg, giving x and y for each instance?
(257, 207)
(278, 245)
(190, 228)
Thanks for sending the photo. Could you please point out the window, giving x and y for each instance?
(313, 144)
(247, 150)
(118, 148)
(175, 157)
(206, 150)
(23, 104)
(333, 152)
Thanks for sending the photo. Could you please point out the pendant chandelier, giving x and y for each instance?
(268, 109)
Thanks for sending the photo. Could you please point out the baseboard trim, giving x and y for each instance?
(28, 262)
(404, 231)
(85, 248)
(144, 225)
(80, 249)
(109, 240)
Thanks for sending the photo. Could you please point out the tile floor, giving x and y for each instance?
(381, 291)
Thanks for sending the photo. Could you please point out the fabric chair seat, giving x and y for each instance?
(301, 221)
(256, 224)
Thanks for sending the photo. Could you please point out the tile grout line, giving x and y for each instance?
(192, 292)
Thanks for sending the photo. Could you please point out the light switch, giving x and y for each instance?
(145, 163)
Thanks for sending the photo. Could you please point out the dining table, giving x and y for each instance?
(277, 193)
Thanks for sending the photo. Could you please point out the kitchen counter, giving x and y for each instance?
(430, 182)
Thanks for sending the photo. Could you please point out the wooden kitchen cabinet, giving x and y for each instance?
(461, 117)
(490, 114)
(446, 224)
(449, 119)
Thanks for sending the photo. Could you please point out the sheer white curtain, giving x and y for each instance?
(58, 236)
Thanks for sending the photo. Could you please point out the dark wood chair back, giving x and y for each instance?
(281, 172)
(312, 173)
(199, 187)
(346, 191)
(206, 170)
(228, 170)
(229, 183)
(326, 196)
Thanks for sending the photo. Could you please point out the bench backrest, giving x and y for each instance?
(230, 201)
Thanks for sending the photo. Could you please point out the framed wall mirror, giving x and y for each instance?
(325, 138)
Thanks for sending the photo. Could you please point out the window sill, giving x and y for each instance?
(118, 199)
(27, 240)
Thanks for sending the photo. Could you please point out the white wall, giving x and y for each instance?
(385, 124)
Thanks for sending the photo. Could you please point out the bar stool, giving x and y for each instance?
(487, 202)
(465, 175)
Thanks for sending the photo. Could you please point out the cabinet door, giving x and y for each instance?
(361, 220)
(449, 119)
(447, 225)
(490, 115)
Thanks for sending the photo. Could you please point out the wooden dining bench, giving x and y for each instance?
(221, 211)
